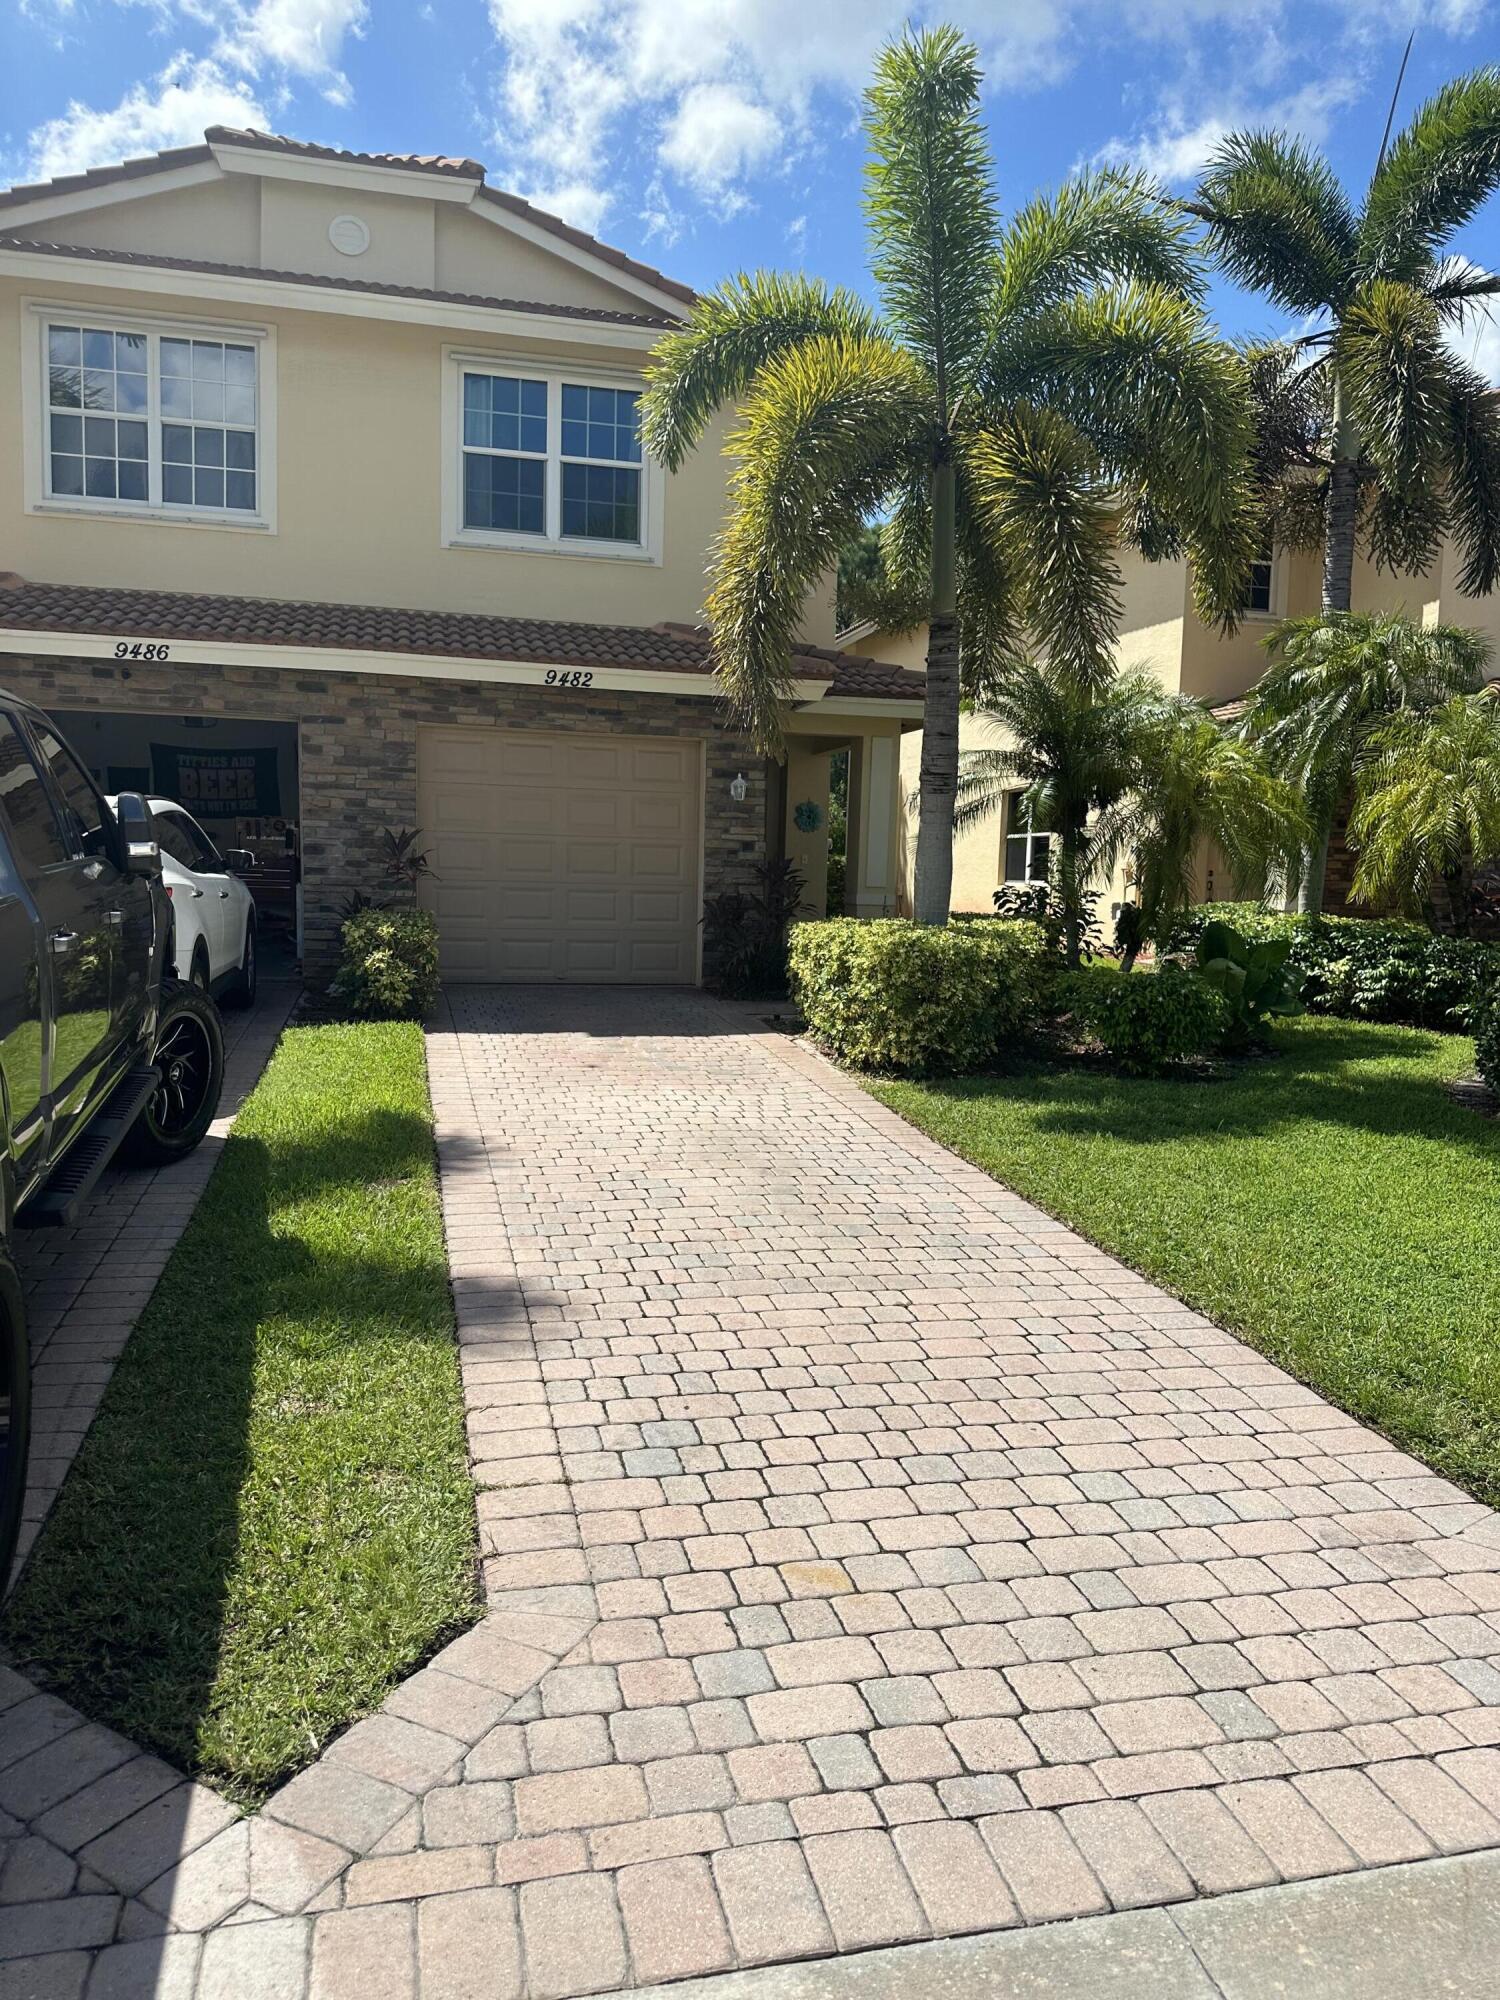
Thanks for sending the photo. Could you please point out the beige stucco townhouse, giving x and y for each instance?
(322, 508)
(1161, 632)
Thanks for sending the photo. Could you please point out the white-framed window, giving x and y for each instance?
(548, 460)
(148, 418)
(1260, 597)
(1028, 843)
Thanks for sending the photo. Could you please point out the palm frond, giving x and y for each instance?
(1164, 402)
(831, 427)
(1106, 228)
(986, 778)
(731, 333)
(1458, 289)
(1396, 370)
(929, 197)
(1037, 497)
(1428, 803)
(1473, 494)
(1278, 221)
(1403, 530)
(1436, 175)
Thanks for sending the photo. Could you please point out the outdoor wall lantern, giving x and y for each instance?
(738, 788)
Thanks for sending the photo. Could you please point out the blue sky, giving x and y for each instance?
(704, 135)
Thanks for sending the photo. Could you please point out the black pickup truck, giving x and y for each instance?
(100, 1051)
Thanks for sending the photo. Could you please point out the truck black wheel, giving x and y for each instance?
(15, 1410)
(189, 1054)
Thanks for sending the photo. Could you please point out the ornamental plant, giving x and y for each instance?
(1253, 976)
(1146, 1022)
(389, 967)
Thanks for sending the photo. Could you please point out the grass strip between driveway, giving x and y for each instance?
(1332, 1205)
(271, 1521)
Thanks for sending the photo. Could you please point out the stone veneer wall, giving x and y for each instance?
(357, 745)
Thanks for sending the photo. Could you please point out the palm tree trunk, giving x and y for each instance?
(1069, 889)
(1340, 511)
(1314, 876)
(933, 889)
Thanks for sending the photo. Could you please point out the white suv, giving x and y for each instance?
(213, 913)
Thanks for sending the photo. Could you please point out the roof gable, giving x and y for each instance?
(428, 226)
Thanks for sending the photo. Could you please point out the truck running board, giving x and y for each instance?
(57, 1204)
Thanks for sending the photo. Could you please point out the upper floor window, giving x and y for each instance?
(1028, 843)
(1261, 595)
(147, 418)
(552, 462)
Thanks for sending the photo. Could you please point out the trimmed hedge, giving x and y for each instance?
(1372, 969)
(389, 967)
(1146, 1021)
(909, 999)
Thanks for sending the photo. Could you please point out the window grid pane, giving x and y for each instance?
(504, 495)
(601, 503)
(100, 434)
(600, 424)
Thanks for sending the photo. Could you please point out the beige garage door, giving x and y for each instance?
(562, 857)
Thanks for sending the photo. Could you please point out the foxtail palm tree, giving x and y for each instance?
(1369, 422)
(1428, 807)
(1330, 684)
(1029, 394)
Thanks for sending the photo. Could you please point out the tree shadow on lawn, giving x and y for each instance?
(1329, 1080)
(256, 1497)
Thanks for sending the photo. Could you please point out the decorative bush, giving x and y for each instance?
(1371, 968)
(912, 1000)
(1486, 1025)
(389, 967)
(1253, 977)
(1145, 1020)
(745, 932)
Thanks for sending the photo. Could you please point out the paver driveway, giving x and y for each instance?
(870, 1557)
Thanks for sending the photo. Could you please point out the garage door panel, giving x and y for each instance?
(562, 856)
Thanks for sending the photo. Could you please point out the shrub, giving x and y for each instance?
(914, 1000)
(1254, 978)
(1374, 969)
(1486, 1025)
(745, 932)
(389, 967)
(1146, 1020)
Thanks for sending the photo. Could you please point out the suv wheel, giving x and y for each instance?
(15, 1410)
(189, 1053)
(242, 990)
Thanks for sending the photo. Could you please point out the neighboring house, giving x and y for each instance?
(1161, 632)
(322, 509)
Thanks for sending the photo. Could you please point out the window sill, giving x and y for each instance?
(170, 517)
(538, 545)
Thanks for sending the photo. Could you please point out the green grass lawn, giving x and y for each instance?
(271, 1521)
(1333, 1205)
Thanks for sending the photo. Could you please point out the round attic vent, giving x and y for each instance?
(349, 235)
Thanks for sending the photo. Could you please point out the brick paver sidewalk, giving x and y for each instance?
(870, 1558)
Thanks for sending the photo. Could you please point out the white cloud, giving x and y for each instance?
(1175, 145)
(171, 110)
(302, 38)
(717, 136)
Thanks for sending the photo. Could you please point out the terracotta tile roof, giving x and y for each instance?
(150, 261)
(374, 628)
(429, 163)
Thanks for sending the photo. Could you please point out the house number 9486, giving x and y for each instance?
(557, 677)
(142, 649)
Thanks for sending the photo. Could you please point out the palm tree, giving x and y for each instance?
(1129, 770)
(1029, 395)
(1330, 684)
(1369, 422)
(1428, 807)
(1075, 752)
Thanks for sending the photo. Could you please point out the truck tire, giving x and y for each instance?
(190, 1055)
(15, 1410)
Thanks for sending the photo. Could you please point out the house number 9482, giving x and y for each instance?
(556, 677)
(142, 649)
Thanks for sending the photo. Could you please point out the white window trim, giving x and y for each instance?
(1277, 610)
(552, 543)
(36, 403)
(1016, 829)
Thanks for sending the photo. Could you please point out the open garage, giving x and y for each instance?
(237, 776)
